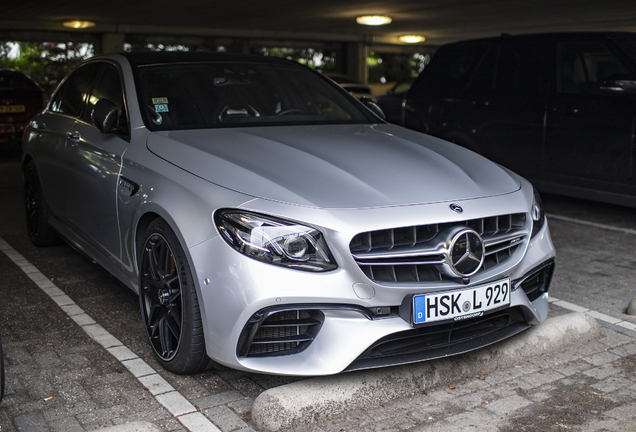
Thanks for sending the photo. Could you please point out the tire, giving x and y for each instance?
(168, 302)
(37, 212)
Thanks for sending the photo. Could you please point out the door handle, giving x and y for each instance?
(565, 109)
(73, 137)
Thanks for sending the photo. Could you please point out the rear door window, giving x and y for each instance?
(452, 69)
(520, 67)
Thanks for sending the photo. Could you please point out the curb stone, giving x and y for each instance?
(631, 307)
(295, 404)
(133, 427)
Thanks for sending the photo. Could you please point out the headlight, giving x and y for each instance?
(275, 241)
(537, 213)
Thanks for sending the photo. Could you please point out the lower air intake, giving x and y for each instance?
(276, 332)
(428, 343)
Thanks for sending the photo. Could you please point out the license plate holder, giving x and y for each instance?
(12, 109)
(460, 304)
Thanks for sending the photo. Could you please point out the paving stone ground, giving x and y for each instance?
(580, 388)
(59, 379)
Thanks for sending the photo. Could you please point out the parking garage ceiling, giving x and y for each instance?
(440, 21)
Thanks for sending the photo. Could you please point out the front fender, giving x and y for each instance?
(184, 201)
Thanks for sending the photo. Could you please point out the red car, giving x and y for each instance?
(20, 99)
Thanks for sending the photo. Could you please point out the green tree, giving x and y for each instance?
(46, 62)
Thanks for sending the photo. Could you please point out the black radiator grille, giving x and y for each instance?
(411, 254)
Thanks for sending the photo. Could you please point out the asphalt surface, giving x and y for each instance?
(77, 358)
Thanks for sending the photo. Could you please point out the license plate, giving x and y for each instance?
(461, 304)
(12, 109)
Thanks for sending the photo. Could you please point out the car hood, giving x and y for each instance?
(334, 166)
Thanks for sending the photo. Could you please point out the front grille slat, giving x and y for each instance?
(415, 253)
(290, 323)
(282, 340)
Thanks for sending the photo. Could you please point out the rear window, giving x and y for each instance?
(16, 80)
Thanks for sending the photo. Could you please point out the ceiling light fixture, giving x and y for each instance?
(373, 20)
(412, 38)
(79, 24)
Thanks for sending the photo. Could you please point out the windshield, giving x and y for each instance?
(212, 95)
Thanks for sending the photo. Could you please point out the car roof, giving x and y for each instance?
(146, 58)
(553, 36)
(19, 79)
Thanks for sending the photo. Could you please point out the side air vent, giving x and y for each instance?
(279, 332)
(537, 281)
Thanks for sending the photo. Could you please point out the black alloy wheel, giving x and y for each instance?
(40, 232)
(168, 302)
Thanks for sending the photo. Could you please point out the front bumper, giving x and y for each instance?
(350, 325)
(11, 132)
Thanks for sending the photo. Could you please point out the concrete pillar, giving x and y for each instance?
(239, 46)
(113, 42)
(356, 61)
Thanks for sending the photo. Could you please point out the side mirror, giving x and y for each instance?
(619, 84)
(373, 107)
(104, 116)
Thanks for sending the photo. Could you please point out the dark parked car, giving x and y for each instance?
(357, 89)
(392, 103)
(559, 109)
(20, 99)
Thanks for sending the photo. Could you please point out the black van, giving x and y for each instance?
(559, 109)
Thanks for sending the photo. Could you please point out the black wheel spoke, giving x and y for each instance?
(171, 280)
(153, 262)
(175, 313)
(154, 318)
(149, 285)
(174, 328)
(164, 338)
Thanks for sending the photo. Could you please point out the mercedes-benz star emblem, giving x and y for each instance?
(466, 252)
(456, 208)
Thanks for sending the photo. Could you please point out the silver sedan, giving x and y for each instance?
(270, 222)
